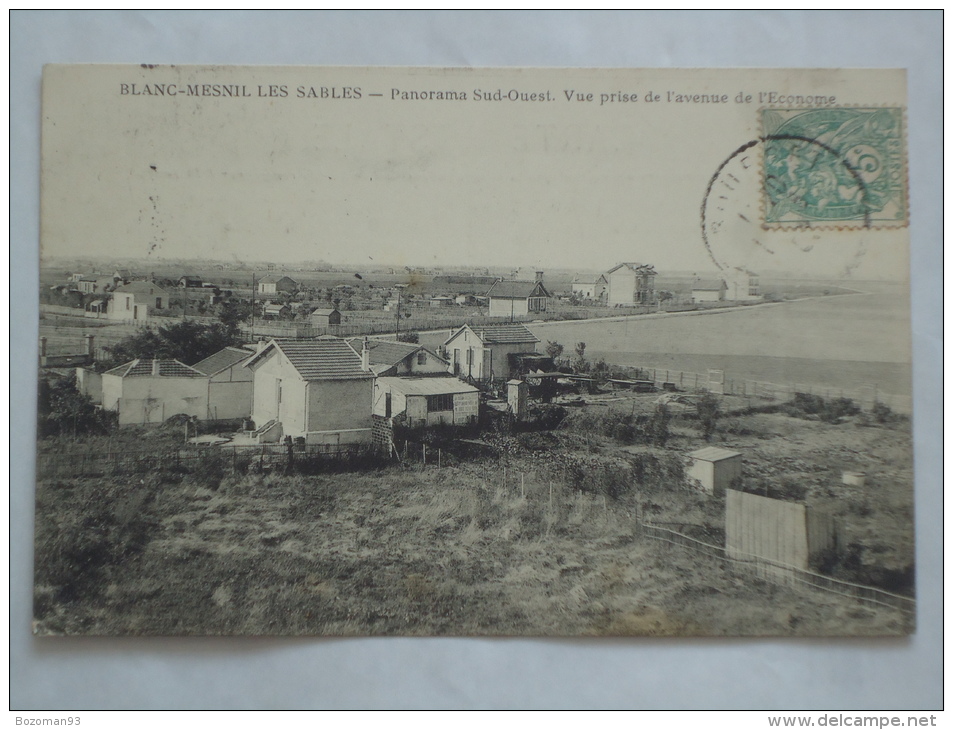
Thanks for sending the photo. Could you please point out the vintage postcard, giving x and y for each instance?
(436, 351)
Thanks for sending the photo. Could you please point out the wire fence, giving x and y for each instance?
(779, 572)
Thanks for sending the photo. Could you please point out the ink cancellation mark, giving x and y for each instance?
(841, 168)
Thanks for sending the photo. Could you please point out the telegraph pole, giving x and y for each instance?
(253, 307)
(397, 329)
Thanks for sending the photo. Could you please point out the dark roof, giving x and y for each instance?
(517, 290)
(141, 287)
(500, 333)
(382, 352)
(321, 359)
(324, 312)
(636, 267)
(708, 285)
(274, 278)
(222, 360)
(165, 368)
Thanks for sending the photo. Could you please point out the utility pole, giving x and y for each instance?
(397, 329)
(253, 307)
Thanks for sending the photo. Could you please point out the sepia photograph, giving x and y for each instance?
(355, 351)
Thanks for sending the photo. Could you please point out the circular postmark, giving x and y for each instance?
(740, 242)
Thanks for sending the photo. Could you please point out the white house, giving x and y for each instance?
(137, 300)
(272, 284)
(426, 401)
(742, 285)
(481, 352)
(594, 289)
(708, 290)
(150, 391)
(399, 358)
(320, 390)
(230, 384)
(630, 284)
(518, 298)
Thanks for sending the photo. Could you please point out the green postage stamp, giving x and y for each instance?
(835, 167)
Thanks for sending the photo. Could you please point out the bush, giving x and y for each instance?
(882, 413)
(709, 410)
(63, 410)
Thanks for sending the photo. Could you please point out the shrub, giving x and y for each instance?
(882, 413)
(63, 410)
(709, 410)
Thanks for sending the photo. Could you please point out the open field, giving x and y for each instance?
(549, 546)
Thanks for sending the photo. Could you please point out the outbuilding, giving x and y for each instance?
(427, 401)
(709, 290)
(715, 468)
(324, 318)
(150, 391)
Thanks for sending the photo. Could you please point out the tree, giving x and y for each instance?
(554, 349)
(581, 365)
(186, 341)
(62, 409)
(709, 409)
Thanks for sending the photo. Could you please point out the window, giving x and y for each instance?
(127, 302)
(158, 302)
(421, 358)
(443, 402)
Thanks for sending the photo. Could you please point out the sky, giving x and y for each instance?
(305, 164)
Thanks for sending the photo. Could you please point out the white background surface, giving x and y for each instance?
(230, 673)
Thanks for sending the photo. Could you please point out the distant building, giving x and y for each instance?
(275, 311)
(137, 300)
(388, 358)
(742, 285)
(518, 298)
(319, 390)
(594, 290)
(441, 301)
(150, 391)
(230, 384)
(273, 284)
(630, 284)
(324, 318)
(482, 352)
(95, 284)
(189, 281)
(426, 401)
(708, 290)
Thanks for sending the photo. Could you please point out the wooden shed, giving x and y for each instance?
(322, 318)
(716, 469)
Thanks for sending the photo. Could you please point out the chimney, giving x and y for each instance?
(89, 344)
(539, 276)
(365, 356)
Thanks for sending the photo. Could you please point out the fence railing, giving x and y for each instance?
(865, 396)
(780, 572)
(94, 463)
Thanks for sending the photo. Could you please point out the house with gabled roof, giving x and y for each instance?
(591, 289)
(630, 284)
(273, 283)
(742, 285)
(482, 352)
(150, 391)
(518, 298)
(231, 386)
(387, 358)
(137, 300)
(708, 290)
(320, 390)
